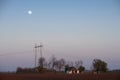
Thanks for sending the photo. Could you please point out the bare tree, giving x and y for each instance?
(70, 63)
(78, 63)
(45, 64)
(62, 63)
(49, 65)
(52, 62)
(41, 62)
(59, 64)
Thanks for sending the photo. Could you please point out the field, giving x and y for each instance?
(53, 76)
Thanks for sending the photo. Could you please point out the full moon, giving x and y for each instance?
(29, 12)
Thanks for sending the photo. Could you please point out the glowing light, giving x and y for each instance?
(29, 12)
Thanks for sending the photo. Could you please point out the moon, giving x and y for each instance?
(30, 12)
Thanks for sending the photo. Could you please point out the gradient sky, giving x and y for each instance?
(69, 29)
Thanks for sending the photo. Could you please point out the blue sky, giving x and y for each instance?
(70, 29)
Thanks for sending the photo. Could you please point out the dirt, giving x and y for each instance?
(53, 76)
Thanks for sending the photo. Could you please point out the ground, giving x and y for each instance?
(61, 76)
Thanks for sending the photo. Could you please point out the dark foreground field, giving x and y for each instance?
(48, 76)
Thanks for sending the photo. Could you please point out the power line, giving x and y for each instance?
(7, 54)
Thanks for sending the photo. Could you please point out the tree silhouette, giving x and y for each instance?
(99, 65)
(81, 68)
(41, 62)
(52, 62)
(78, 63)
(60, 64)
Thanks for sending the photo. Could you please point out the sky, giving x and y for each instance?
(70, 29)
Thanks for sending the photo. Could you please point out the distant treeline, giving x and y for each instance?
(61, 65)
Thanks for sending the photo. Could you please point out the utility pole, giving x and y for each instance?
(35, 48)
(40, 47)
